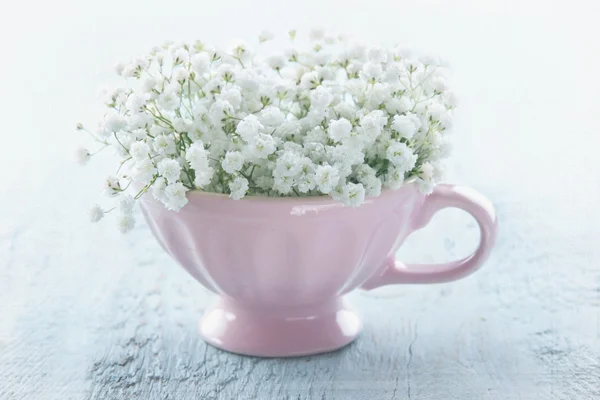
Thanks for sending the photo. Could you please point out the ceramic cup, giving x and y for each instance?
(281, 266)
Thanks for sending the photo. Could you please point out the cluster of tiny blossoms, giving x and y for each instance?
(340, 119)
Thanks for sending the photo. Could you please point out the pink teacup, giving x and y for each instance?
(281, 265)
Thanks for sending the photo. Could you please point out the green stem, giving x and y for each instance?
(122, 163)
(115, 134)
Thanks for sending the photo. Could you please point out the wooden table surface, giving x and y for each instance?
(86, 313)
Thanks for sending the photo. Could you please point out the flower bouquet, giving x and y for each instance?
(283, 180)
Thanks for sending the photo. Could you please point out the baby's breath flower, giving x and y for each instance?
(326, 177)
(265, 36)
(201, 63)
(321, 97)
(272, 116)
(164, 144)
(125, 222)
(341, 119)
(96, 213)
(126, 204)
(139, 150)
(174, 194)
(233, 162)
(112, 186)
(249, 127)
(261, 146)
(353, 194)
(169, 169)
(143, 171)
(238, 188)
(406, 125)
(339, 129)
(158, 190)
(83, 156)
(401, 156)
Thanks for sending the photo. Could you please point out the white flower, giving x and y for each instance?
(181, 74)
(276, 61)
(438, 83)
(288, 164)
(203, 176)
(372, 70)
(339, 129)
(125, 222)
(372, 124)
(126, 204)
(247, 80)
(372, 185)
(233, 162)
(201, 63)
(96, 213)
(321, 97)
(281, 183)
(449, 99)
(157, 130)
(112, 186)
(401, 156)
(395, 178)
(182, 125)
(219, 111)
(118, 67)
(139, 150)
(169, 100)
(261, 146)
(398, 105)
(249, 127)
(197, 156)
(164, 144)
(326, 177)
(272, 116)
(239, 49)
(315, 135)
(436, 110)
(379, 93)
(175, 196)
(169, 169)
(346, 109)
(368, 177)
(425, 187)
(83, 156)
(143, 171)
(377, 55)
(158, 190)
(181, 56)
(149, 83)
(426, 171)
(136, 102)
(231, 95)
(265, 36)
(238, 188)
(113, 122)
(353, 194)
(310, 80)
(406, 125)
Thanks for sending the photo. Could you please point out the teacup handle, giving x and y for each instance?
(444, 196)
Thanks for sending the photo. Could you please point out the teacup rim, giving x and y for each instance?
(199, 193)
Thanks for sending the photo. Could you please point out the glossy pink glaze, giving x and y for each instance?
(281, 265)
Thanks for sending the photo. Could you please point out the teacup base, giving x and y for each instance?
(279, 332)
